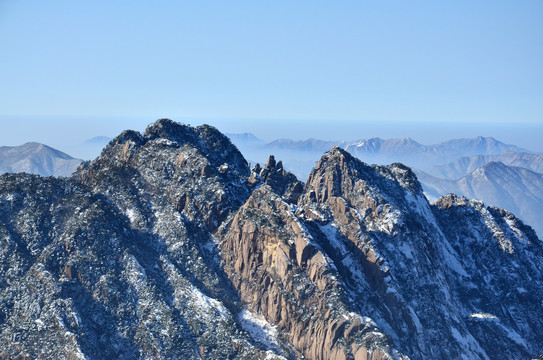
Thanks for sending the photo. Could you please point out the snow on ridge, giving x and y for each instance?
(135, 273)
(165, 142)
(519, 234)
(468, 343)
(206, 303)
(451, 259)
(75, 352)
(513, 335)
(497, 232)
(259, 329)
(510, 333)
(330, 230)
(131, 214)
(270, 355)
(483, 315)
(419, 203)
(389, 221)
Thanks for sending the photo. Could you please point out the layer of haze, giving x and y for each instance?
(68, 134)
(72, 70)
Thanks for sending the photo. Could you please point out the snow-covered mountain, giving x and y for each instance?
(169, 246)
(411, 153)
(35, 158)
(300, 156)
(465, 165)
(516, 189)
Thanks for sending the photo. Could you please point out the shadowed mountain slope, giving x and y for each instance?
(169, 246)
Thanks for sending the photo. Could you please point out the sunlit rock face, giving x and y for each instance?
(169, 246)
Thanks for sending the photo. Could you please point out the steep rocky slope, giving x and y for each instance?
(117, 262)
(429, 282)
(169, 246)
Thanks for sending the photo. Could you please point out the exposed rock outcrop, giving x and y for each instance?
(282, 182)
(283, 274)
(169, 246)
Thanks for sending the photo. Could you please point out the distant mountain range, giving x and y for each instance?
(411, 153)
(516, 189)
(483, 168)
(299, 156)
(311, 145)
(40, 159)
(465, 165)
(35, 158)
(247, 139)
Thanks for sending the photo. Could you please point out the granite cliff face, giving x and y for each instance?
(430, 270)
(169, 246)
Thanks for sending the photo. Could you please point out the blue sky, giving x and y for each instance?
(99, 65)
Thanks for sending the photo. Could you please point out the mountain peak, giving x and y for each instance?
(350, 164)
(337, 153)
(32, 144)
(215, 146)
(246, 139)
(282, 182)
(36, 158)
(408, 139)
(450, 200)
(339, 174)
(181, 133)
(494, 169)
(164, 248)
(170, 130)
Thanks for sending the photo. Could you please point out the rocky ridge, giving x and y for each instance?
(169, 246)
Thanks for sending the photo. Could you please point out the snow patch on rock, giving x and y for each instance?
(259, 329)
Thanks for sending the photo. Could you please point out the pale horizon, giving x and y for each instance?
(348, 71)
(68, 135)
(426, 70)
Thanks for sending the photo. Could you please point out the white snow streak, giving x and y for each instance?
(259, 329)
